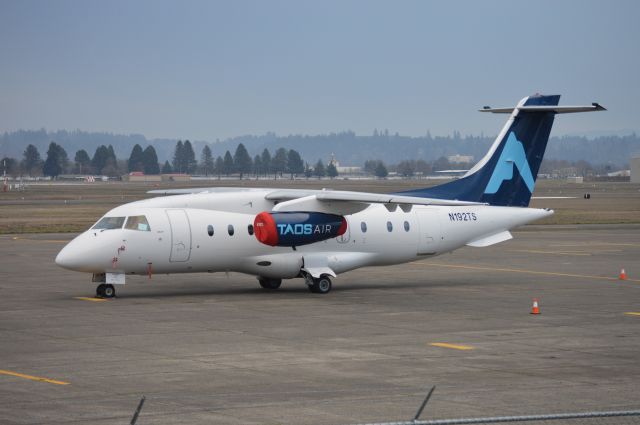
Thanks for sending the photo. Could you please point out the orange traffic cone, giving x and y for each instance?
(535, 309)
(623, 275)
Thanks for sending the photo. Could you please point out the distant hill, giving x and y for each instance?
(349, 148)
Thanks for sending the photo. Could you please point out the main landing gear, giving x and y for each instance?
(267, 283)
(321, 285)
(105, 290)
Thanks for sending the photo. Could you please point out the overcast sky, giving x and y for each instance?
(207, 70)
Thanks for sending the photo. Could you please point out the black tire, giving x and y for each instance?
(321, 286)
(100, 290)
(270, 283)
(109, 291)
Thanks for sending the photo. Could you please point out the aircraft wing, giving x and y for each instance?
(345, 202)
(328, 201)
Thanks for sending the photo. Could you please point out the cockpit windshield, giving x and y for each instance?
(138, 222)
(109, 223)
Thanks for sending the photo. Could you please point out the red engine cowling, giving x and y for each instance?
(297, 228)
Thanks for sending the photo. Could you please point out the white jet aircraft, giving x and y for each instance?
(277, 234)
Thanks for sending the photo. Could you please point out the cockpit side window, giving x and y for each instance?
(138, 222)
(109, 223)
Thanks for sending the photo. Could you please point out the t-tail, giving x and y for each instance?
(507, 174)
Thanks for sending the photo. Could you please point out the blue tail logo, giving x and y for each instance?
(513, 154)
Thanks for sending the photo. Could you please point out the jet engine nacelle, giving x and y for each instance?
(297, 228)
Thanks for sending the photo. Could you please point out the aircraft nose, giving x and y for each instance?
(65, 258)
(70, 256)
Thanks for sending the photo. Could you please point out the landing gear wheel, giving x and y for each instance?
(105, 291)
(109, 291)
(321, 285)
(269, 283)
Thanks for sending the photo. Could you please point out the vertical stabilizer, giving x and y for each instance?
(506, 175)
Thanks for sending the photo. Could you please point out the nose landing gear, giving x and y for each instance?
(105, 290)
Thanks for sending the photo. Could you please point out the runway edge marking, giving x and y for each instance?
(452, 346)
(92, 299)
(33, 378)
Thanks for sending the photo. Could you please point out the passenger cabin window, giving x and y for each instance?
(250, 229)
(210, 230)
(109, 223)
(138, 222)
(230, 230)
(363, 227)
(406, 226)
(389, 226)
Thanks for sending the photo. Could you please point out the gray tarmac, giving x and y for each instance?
(210, 349)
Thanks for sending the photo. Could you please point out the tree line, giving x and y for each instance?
(104, 162)
(240, 163)
(351, 148)
(57, 162)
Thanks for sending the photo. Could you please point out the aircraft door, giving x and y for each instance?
(430, 232)
(180, 235)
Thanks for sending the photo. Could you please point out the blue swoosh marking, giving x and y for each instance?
(512, 154)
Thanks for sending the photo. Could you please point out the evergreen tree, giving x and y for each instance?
(295, 165)
(63, 159)
(242, 160)
(135, 162)
(32, 164)
(257, 165)
(189, 158)
(100, 157)
(381, 170)
(265, 159)
(83, 162)
(279, 161)
(332, 171)
(178, 158)
(308, 171)
(53, 164)
(206, 160)
(112, 154)
(319, 169)
(109, 165)
(370, 166)
(166, 168)
(219, 167)
(150, 161)
(227, 165)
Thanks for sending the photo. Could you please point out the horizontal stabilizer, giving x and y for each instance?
(546, 108)
(491, 240)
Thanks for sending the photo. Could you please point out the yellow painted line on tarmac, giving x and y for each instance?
(532, 251)
(32, 378)
(632, 313)
(15, 238)
(95, 300)
(497, 269)
(453, 346)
